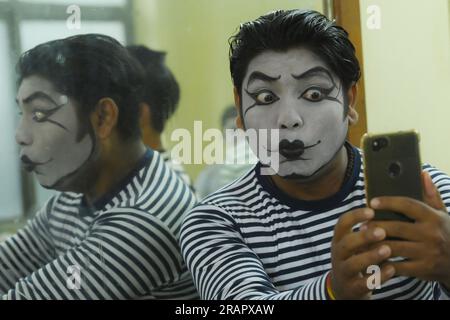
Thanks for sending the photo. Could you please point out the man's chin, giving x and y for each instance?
(64, 184)
(46, 186)
(298, 177)
(295, 169)
(57, 186)
(300, 174)
(43, 182)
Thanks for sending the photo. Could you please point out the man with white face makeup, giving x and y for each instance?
(112, 231)
(312, 108)
(294, 234)
(54, 145)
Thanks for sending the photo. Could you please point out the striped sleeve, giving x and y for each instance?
(126, 255)
(442, 183)
(29, 249)
(224, 267)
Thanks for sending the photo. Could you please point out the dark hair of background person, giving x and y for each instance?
(161, 90)
(286, 29)
(88, 68)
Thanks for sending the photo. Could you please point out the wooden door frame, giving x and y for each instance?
(348, 15)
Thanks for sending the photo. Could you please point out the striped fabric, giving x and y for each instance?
(124, 247)
(176, 166)
(251, 241)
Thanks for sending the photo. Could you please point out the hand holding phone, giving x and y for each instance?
(392, 167)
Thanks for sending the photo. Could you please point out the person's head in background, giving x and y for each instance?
(79, 106)
(161, 94)
(296, 71)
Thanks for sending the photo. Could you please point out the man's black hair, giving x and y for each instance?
(286, 29)
(88, 68)
(161, 90)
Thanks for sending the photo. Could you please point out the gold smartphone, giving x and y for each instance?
(392, 167)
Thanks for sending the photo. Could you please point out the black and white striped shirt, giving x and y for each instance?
(176, 166)
(124, 247)
(249, 240)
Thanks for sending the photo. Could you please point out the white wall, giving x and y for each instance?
(10, 190)
(407, 72)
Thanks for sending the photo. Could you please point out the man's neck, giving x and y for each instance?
(152, 139)
(114, 168)
(322, 187)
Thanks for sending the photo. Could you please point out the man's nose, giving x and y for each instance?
(289, 118)
(23, 134)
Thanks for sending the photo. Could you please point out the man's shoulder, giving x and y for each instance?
(129, 213)
(61, 202)
(165, 206)
(439, 178)
(137, 220)
(235, 195)
(157, 182)
(433, 169)
(176, 165)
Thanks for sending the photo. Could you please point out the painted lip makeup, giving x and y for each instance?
(295, 149)
(30, 165)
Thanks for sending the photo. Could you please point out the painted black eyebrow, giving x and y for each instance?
(38, 95)
(258, 75)
(314, 72)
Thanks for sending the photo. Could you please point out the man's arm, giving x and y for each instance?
(442, 183)
(29, 249)
(126, 255)
(224, 267)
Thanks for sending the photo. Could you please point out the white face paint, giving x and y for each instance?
(48, 133)
(295, 92)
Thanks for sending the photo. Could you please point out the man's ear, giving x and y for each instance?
(352, 113)
(237, 104)
(105, 117)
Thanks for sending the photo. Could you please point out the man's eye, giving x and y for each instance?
(264, 97)
(313, 94)
(39, 116)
